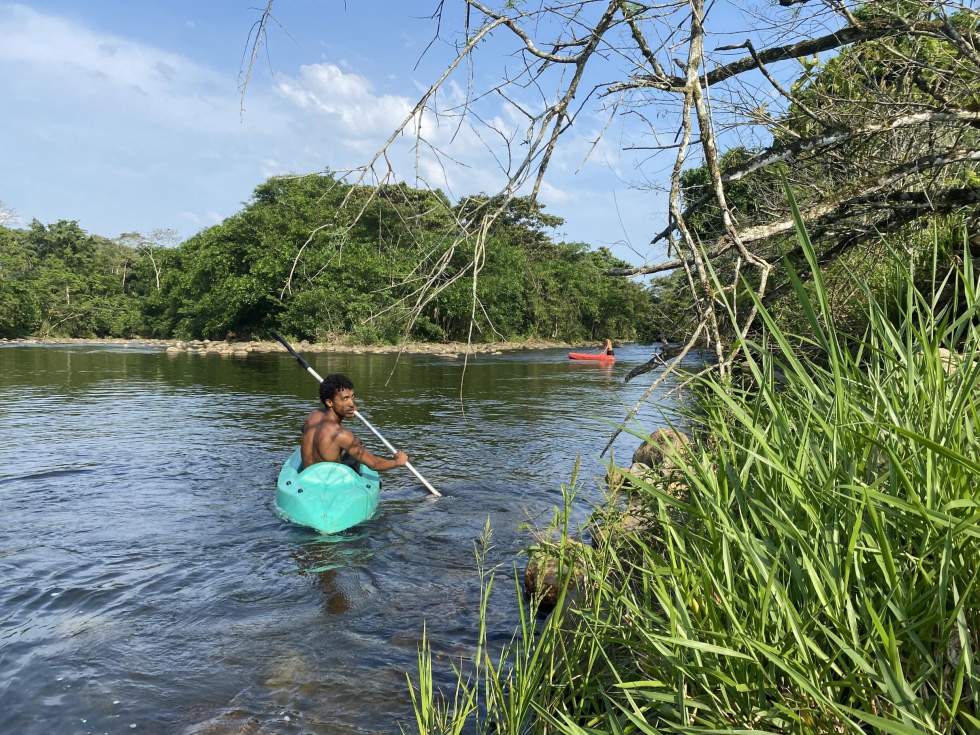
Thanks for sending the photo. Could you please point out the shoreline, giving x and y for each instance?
(240, 349)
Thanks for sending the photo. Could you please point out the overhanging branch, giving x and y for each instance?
(778, 153)
(843, 37)
(829, 213)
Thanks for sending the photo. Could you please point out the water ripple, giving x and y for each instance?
(148, 582)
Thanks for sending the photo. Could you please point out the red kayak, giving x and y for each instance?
(602, 357)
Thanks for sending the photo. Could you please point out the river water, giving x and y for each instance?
(146, 584)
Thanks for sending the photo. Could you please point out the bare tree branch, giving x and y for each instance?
(843, 37)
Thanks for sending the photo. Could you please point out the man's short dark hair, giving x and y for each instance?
(333, 383)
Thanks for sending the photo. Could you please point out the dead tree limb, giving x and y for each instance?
(843, 37)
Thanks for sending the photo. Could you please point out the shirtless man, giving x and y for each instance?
(326, 440)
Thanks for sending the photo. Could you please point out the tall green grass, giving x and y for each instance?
(819, 574)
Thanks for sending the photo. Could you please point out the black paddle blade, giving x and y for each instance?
(282, 340)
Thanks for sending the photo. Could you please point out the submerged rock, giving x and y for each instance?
(230, 722)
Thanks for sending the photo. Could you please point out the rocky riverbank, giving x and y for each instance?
(627, 518)
(241, 349)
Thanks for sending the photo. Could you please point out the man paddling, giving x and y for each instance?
(325, 439)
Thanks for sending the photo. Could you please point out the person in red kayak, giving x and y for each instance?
(325, 439)
(607, 348)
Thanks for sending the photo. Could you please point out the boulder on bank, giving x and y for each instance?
(952, 362)
(657, 451)
(548, 566)
(618, 526)
(637, 495)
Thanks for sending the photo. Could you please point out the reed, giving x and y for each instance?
(819, 574)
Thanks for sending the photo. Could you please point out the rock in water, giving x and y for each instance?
(657, 450)
(546, 569)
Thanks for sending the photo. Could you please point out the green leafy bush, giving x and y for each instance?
(299, 260)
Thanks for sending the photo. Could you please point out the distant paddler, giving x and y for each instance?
(605, 356)
(326, 439)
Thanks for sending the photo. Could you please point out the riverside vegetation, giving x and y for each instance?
(808, 566)
(276, 265)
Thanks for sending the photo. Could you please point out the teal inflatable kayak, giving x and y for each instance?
(327, 496)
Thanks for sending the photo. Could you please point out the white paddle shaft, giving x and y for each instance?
(392, 449)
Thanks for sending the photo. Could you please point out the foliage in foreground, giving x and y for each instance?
(817, 576)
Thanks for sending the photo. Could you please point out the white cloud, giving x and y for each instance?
(127, 136)
(82, 62)
(553, 196)
(272, 167)
(346, 98)
(349, 105)
(346, 120)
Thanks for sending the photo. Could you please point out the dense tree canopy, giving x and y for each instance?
(869, 109)
(58, 280)
(295, 260)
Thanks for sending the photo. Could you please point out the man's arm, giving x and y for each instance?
(358, 451)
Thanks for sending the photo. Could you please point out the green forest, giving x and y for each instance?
(382, 268)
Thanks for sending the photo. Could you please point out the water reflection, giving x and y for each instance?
(333, 561)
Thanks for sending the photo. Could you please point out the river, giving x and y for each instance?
(148, 586)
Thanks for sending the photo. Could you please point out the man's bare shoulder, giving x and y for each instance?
(317, 416)
(334, 435)
(327, 431)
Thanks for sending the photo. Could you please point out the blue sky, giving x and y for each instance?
(126, 115)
